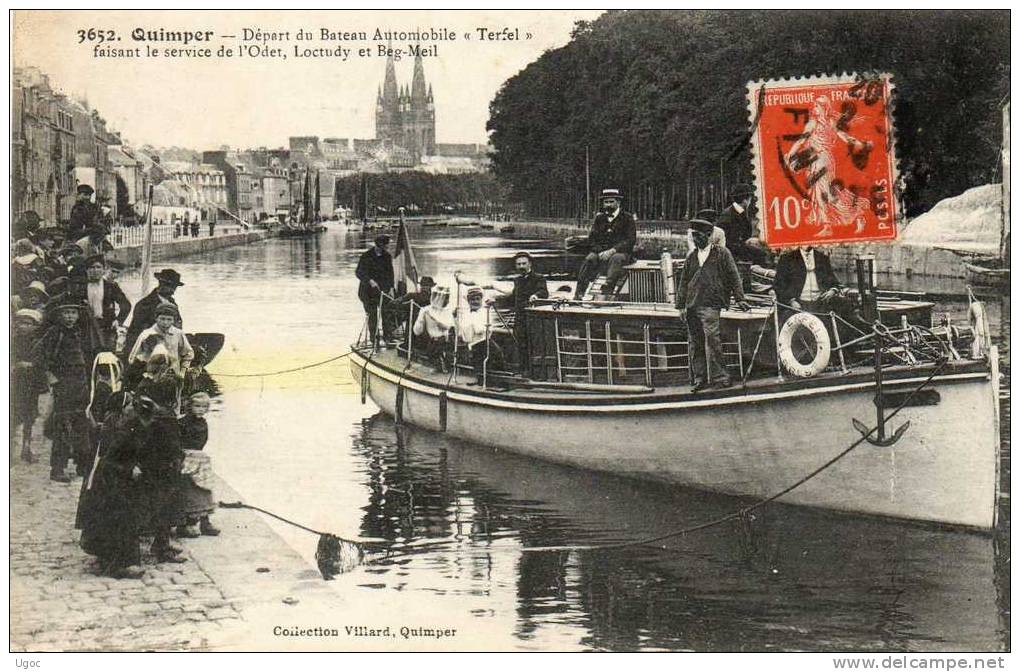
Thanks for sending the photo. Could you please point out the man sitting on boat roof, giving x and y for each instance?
(612, 239)
(735, 221)
(710, 278)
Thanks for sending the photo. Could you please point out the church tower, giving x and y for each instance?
(405, 115)
(420, 124)
(387, 107)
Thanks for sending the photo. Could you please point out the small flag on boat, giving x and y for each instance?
(405, 269)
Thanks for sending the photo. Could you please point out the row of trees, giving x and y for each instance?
(422, 193)
(658, 99)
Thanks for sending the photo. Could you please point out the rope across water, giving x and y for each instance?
(281, 371)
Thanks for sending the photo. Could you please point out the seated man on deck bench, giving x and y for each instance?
(433, 329)
(805, 281)
(473, 332)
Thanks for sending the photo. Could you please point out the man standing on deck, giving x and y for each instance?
(528, 286)
(611, 241)
(375, 271)
(710, 277)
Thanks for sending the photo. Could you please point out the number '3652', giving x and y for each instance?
(95, 35)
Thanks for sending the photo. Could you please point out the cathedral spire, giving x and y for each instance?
(390, 83)
(418, 94)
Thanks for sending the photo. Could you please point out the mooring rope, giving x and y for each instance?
(740, 513)
(281, 371)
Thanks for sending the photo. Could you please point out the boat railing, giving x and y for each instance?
(599, 352)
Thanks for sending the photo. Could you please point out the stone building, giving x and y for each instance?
(239, 183)
(92, 166)
(406, 117)
(42, 148)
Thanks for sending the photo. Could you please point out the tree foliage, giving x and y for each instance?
(423, 192)
(659, 98)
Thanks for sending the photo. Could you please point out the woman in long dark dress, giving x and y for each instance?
(108, 508)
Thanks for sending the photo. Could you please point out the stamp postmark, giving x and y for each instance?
(824, 159)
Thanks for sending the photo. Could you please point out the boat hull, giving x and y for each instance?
(752, 445)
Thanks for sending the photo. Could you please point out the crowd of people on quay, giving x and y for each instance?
(121, 381)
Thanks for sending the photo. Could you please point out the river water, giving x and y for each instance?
(302, 445)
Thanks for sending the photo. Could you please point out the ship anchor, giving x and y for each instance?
(881, 440)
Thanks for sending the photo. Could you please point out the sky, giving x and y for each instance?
(202, 103)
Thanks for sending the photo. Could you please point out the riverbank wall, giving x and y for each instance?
(132, 255)
(890, 258)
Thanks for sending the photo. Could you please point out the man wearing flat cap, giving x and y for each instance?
(84, 213)
(710, 277)
(109, 306)
(611, 242)
(735, 221)
(144, 315)
(375, 273)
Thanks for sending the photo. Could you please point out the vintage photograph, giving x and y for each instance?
(511, 331)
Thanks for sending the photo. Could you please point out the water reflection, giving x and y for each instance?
(788, 578)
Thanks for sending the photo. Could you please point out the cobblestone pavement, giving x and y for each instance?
(228, 596)
(59, 602)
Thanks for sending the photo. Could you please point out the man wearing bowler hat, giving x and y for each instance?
(84, 214)
(375, 272)
(735, 221)
(144, 315)
(709, 279)
(611, 241)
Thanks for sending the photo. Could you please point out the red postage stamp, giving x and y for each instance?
(824, 160)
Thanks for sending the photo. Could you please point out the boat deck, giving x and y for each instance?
(396, 365)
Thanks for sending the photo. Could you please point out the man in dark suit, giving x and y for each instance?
(735, 221)
(710, 277)
(144, 315)
(106, 300)
(84, 214)
(611, 241)
(805, 281)
(528, 286)
(375, 273)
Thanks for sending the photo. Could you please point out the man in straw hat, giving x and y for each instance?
(144, 315)
(611, 242)
(710, 277)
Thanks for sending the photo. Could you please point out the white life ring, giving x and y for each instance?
(822, 350)
(979, 323)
